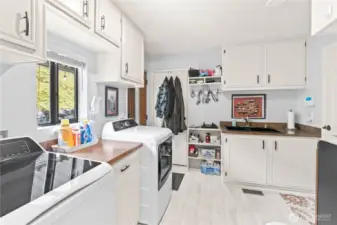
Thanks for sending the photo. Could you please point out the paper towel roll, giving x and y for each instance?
(291, 120)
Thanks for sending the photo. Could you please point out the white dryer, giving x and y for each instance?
(156, 164)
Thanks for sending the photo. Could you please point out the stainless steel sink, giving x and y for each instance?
(253, 129)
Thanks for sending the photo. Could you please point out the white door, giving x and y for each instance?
(247, 159)
(80, 10)
(179, 142)
(285, 63)
(243, 66)
(17, 22)
(294, 162)
(108, 22)
(329, 73)
(132, 52)
(322, 14)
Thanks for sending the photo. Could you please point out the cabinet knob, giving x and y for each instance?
(327, 127)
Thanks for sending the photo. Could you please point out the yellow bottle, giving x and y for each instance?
(67, 133)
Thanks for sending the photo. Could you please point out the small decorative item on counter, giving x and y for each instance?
(208, 138)
(218, 71)
(233, 123)
(208, 153)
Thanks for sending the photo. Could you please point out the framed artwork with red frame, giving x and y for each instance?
(249, 105)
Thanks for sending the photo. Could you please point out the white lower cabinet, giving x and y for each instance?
(244, 154)
(287, 162)
(293, 163)
(127, 193)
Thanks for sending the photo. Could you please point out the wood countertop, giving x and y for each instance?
(108, 151)
(301, 130)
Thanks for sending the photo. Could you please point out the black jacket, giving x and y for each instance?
(170, 100)
(179, 108)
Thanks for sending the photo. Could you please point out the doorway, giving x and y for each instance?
(142, 103)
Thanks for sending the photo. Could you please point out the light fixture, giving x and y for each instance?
(274, 3)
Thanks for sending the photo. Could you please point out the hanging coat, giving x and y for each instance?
(170, 99)
(179, 109)
(162, 99)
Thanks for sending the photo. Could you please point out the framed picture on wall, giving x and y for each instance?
(111, 101)
(249, 105)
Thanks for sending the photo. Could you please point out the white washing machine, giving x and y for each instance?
(156, 164)
(39, 188)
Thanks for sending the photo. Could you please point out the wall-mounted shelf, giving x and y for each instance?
(205, 144)
(203, 158)
(212, 80)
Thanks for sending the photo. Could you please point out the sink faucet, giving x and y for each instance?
(247, 122)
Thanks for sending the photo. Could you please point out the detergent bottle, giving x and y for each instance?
(66, 134)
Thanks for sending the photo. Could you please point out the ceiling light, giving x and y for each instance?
(274, 3)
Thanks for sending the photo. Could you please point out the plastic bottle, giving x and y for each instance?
(66, 133)
(86, 135)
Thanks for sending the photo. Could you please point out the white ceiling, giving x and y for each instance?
(181, 26)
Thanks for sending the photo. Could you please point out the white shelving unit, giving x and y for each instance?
(194, 162)
(197, 81)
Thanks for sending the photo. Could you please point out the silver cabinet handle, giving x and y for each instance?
(126, 68)
(268, 78)
(125, 168)
(102, 22)
(275, 143)
(85, 8)
(263, 145)
(258, 79)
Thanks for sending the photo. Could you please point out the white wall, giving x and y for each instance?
(315, 46)
(18, 102)
(278, 102)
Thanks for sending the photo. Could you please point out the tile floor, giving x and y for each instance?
(204, 200)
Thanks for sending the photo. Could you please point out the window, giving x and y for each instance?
(57, 93)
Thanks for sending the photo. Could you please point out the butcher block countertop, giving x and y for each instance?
(301, 130)
(108, 151)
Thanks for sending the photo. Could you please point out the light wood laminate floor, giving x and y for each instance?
(204, 200)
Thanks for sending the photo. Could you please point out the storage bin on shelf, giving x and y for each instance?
(210, 168)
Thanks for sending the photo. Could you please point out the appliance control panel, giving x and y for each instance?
(16, 147)
(124, 124)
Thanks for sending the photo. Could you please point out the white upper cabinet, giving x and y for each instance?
(247, 159)
(323, 13)
(294, 163)
(268, 66)
(18, 22)
(108, 21)
(132, 53)
(286, 64)
(243, 66)
(80, 10)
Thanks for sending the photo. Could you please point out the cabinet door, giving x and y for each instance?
(329, 131)
(132, 52)
(80, 10)
(17, 22)
(285, 63)
(294, 163)
(323, 13)
(243, 66)
(108, 21)
(128, 190)
(247, 159)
